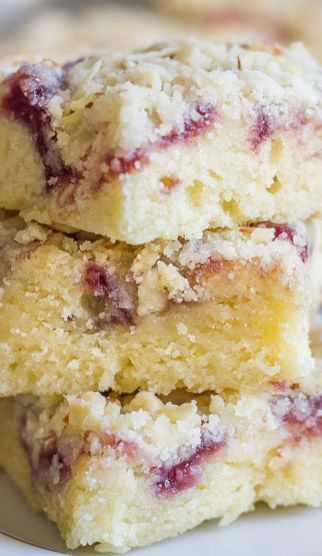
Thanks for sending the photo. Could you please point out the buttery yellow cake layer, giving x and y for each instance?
(164, 142)
(122, 473)
(80, 313)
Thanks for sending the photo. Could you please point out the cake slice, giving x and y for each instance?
(164, 142)
(120, 472)
(77, 313)
(267, 20)
(90, 26)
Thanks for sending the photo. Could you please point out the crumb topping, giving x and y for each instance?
(160, 438)
(102, 117)
(168, 440)
(300, 413)
(118, 283)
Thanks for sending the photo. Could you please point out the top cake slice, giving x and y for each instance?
(164, 142)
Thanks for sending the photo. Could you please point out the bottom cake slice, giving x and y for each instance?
(125, 472)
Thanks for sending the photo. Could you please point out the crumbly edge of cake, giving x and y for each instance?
(159, 424)
(160, 268)
(142, 430)
(140, 98)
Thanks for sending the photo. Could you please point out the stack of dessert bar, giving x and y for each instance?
(155, 363)
(253, 20)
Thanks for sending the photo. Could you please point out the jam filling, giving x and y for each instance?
(52, 463)
(300, 413)
(97, 442)
(28, 92)
(107, 297)
(52, 457)
(223, 266)
(261, 131)
(193, 126)
(50, 467)
(289, 233)
(170, 480)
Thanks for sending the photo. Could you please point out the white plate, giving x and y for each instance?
(296, 532)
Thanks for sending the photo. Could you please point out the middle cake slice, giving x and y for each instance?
(80, 313)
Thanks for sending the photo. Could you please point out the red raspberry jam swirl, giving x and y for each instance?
(170, 480)
(266, 124)
(292, 234)
(300, 413)
(29, 91)
(202, 118)
(116, 306)
(261, 130)
(50, 466)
